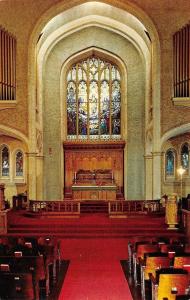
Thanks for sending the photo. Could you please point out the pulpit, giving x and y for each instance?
(171, 212)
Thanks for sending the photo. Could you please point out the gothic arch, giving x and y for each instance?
(111, 24)
(104, 55)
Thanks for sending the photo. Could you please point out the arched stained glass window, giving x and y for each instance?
(19, 163)
(93, 100)
(170, 162)
(5, 161)
(185, 156)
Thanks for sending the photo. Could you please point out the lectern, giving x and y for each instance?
(171, 212)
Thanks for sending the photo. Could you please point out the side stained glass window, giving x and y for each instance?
(5, 162)
(185, 156)
(19, 163)
(170, 162)
(93, 100)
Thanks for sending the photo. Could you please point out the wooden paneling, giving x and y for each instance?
(91, 156)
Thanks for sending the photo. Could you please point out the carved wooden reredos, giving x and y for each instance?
(92, 156)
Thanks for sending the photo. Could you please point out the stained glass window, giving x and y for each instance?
(93, 100)
(185, 156)
(19, 163)
(170, 162)
(5, 161)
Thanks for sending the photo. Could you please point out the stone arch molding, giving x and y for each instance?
(13, 133)
(60, 20)
(175, 132)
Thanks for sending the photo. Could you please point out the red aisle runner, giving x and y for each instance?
(95, 272)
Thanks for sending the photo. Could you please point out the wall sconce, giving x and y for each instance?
(181, 171)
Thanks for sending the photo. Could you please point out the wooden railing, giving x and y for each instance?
(127, 206)
(59, 206)
(73, 207)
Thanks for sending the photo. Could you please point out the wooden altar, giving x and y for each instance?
(94, 192)
(94, 185)
(90, 156)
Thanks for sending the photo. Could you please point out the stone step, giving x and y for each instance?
(94, 206)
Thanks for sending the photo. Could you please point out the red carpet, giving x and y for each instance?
(95, 272)
(94, 244)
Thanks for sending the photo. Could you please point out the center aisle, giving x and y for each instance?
(94, 272)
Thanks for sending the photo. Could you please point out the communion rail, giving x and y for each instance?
(73, 207)
(58, 206)
(127, 206)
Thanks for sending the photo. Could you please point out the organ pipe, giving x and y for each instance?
(181, 62)
(7, 65)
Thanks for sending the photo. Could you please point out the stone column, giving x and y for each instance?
(31, 176)
(156, 174)
(39, 178)
(2, 196)
(148, 182)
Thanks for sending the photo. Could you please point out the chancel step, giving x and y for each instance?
(94, 207)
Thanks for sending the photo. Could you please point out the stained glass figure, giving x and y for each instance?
(115, 108)
(19, 163)
(170, 161)
(93, 108)
(116, 126)
(82, 108)
(185, 156)
(93, 99)
(5, 161)
(71, 107)
(104, 108)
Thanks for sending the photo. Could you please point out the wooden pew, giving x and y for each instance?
(181, 259)
(169, 282)
(132, 247)
(49, 248)
(28, 264)
(139, 255)
(150, 264)
(165, 248)
(16, 286)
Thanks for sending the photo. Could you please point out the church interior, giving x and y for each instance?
(94, 149)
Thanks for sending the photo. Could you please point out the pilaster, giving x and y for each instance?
(148, 179)
(156, 174)
(32, 178)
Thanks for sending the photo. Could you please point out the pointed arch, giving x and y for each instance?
(19, 163)
(83, 55)
(5, 161)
